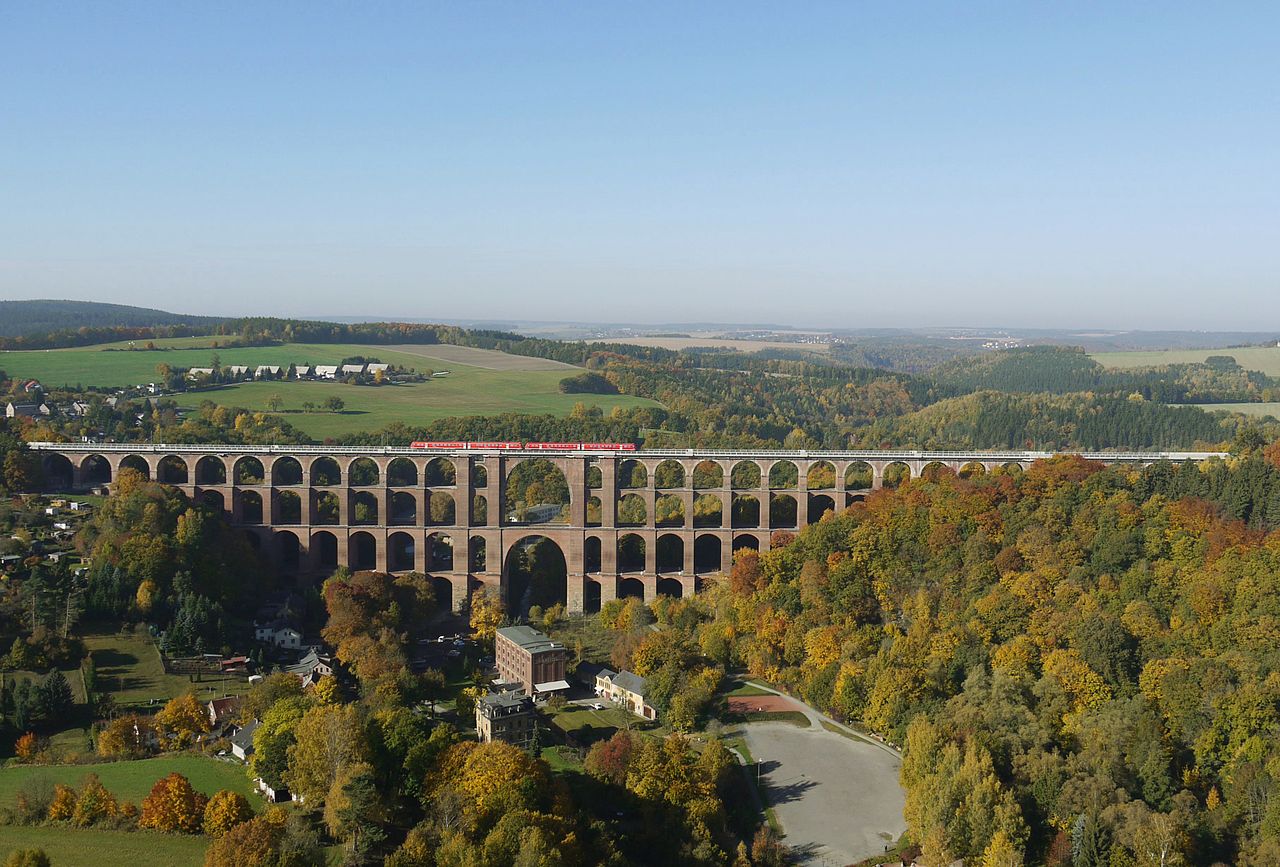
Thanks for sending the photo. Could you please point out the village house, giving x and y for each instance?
(352, 368)
(222, 711)
(327, 371)
(242, 741)
(627, 690)
(279, 634)
(302, 371)
(313, 667)
(267, 370)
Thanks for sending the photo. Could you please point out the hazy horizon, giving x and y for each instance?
(824, 166)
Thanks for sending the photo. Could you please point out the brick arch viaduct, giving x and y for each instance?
(313, 508)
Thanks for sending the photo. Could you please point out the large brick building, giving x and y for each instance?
(527, 657)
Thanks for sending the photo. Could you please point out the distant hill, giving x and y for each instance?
(19, 318)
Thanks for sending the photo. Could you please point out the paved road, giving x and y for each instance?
(837, 798)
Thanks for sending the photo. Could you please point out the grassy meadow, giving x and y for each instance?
(132, 781)
(89, 847)
(129, 667)
(466, 390)
(1263, 358)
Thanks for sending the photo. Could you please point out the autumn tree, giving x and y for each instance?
(173, 805)
(183, 717)
(225, 810)
(326, 738)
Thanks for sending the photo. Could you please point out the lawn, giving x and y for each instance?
(466, 390)
(129, 667)
(588, 726)
(747, 689)
(84, 847)
(1263, 358)
(131, 781)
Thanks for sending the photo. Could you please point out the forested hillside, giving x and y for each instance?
(42, 317)
(1082, 663)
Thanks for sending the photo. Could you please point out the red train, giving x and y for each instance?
(516, 446)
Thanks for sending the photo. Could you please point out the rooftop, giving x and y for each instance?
(529, 638)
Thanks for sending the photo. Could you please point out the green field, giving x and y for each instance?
(85, 847)
(466, 390)
(129, 667)
(131, 781)
(1263, 358)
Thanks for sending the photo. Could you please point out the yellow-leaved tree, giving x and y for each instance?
(173, 805)
(224, 811)
(183, 717)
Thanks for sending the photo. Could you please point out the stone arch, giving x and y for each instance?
(443, 589)
(670, 587)
(745, 541)
(631, 553)
(707, 552)
(936, 471)
(214, 500)
(746, 511)
(591, 594)
(402, 473)
(630, 588)
(819, 505)
(401, 551)
(745, 475)
(324, 551)
(479, 554)
(362, 551)
(821, 476)
(137, 463)
(440, 473)
(708, 511)
(895, 474)
(632, 474)
(402, 509)
(95, 470)
(364, 508)
(784, 474)
(668, 475)
(669, 553)
(480, 510)
(325, 473)
(248, 471)
(592, 549)
(251, 511)
(286, 508)
(440, 552)
(595, 476)
(668, 511)
(286, 472)
(363, 473)
(59, 472)
(632, 511)
(328, 509)
(288, 550)
(172, 470)
(442, 509)
(973, 469)
(479, 476)
(211, 470)
(859, 497)
(1011, 468)
(783, 511)
(859, 476)
(536, 492)
(595, 512)
(708, 475)
(536, 572)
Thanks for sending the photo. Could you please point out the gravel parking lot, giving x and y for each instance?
(838, 799)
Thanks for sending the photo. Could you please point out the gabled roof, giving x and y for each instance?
(632, 683)
(244, 737)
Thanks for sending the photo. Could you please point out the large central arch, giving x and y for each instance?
(536, 572)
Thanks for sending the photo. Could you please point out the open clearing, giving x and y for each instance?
(85, 847)
(129, 667)
(132, 781)
(487, 359)
(1257, 409)
(838, 799)
(506, 383)
(1263, 358)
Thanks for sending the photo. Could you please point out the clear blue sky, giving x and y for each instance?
(851, 164)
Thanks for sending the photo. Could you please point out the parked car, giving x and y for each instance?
(595, 705)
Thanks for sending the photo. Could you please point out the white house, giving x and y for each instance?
(327, 371)
(279, 634)
(374, 368)
(353, 368)
(272, 369)
(302, 370)
(626, 690)
(193, 372)
(242, 741)
(238, 369)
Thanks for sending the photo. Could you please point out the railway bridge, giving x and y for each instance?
(626, 523)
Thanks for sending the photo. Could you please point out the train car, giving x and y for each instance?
(437, 445)
(494, 446)
(554, 447)
(608, 447)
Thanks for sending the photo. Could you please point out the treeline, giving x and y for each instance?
(1060, 370)
(41, 324)
(1082, 663)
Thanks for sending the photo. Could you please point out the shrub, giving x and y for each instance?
(94, 803)
(27, 858)
(173, 806)
(224, 811)
(63, 805)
